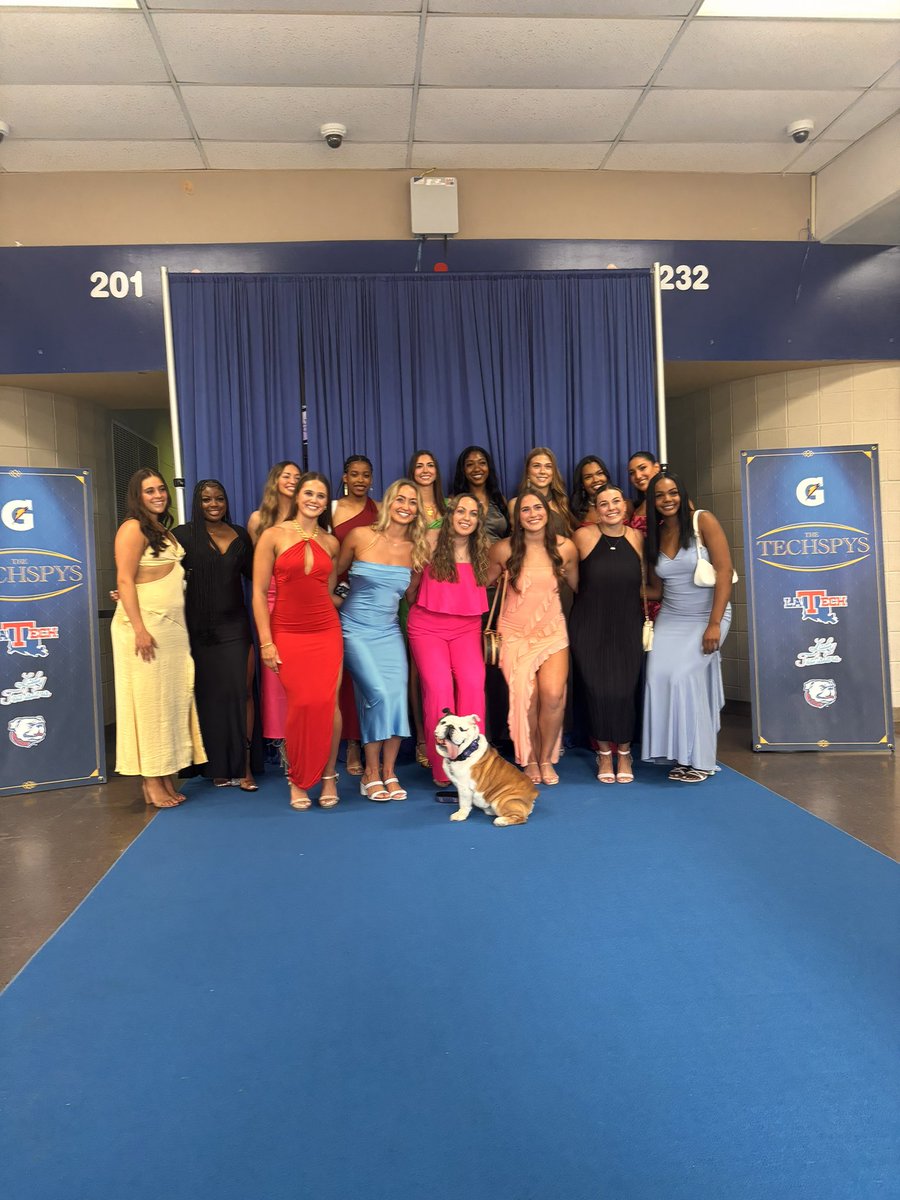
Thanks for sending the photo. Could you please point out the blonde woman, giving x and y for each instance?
(381, 560)
(542, 474)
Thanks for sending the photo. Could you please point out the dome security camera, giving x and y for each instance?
(334, 134)
(4, 131)
(800, 130)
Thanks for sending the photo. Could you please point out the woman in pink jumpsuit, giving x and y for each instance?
(444, 627)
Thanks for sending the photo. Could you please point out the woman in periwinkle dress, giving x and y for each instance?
(684, 694)
(381, 559)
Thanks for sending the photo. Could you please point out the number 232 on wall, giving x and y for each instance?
(683, 278)
(116, 285)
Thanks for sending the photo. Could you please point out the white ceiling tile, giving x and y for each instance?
(516, 157)
(782, 54)
(533, 52)
(301, 50)
(868, 111)
(891, 79)
(236, 114)
(705, 156)
(99, 156)
(565, 8)
(294, 6)
(717, 116)
(815, 157)
(84, 110)
(78, 47)
(497, 115)
(287, 156)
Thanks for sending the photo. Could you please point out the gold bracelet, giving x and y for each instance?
(265, 645)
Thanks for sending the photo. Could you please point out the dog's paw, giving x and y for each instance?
(459, 815)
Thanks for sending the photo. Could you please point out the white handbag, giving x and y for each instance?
(705, 572)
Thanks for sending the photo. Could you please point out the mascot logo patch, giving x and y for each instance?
(811, 492)
(17, 515)
(27, 731)
(820, 693)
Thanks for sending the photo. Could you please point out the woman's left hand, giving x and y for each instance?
(711, 638)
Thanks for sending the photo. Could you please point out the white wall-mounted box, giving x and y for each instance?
(434, 208)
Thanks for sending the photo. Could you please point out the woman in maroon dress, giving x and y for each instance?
(352, 510)
(302, 643)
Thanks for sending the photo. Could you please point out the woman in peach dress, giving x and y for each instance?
(534, 648)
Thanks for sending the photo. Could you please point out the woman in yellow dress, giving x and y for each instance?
(157, 731)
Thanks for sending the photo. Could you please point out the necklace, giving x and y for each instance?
(304, 536)
(613, 539)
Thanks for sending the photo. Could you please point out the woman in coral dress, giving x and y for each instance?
(301, 643)
(534, 648)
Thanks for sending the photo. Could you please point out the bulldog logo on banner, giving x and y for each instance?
(812, 528)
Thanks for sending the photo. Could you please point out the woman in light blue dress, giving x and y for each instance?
(381, 559)
(683, 695)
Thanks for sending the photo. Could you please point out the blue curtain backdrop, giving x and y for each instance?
(386, 364)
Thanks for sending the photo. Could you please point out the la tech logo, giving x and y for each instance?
(816, 605)
(18, 515)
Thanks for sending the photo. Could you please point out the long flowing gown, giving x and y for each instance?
(220, 645)
(347, 699)
(605, 631)
(374, 649)
(157, 729)
(531, 627)
(683, 694)
(307, 633)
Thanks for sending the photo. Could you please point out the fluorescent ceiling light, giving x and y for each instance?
(819, 10)
(69, 4)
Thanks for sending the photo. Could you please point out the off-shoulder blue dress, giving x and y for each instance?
(374, 652)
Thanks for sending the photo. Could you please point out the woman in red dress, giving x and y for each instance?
(302, 643)
(353, 510)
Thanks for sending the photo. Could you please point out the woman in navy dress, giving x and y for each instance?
(381, 559)
(684, 694)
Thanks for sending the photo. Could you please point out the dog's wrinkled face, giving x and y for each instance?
(454, 734)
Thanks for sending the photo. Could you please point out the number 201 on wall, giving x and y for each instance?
(116, 285)
(683, 278)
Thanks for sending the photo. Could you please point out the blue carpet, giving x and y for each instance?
(663, 991)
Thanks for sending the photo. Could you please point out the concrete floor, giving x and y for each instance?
(55, 846)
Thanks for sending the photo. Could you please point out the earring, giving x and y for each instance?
(346, 490)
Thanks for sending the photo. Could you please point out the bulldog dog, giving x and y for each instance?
(480, 775)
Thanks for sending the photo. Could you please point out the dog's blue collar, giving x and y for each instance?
(468, 752)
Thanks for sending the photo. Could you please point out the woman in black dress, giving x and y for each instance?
(219, 556)
(605, 631)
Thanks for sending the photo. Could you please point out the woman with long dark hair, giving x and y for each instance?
(534, 650)
(381, 561)
(353, 510)
(476, 474)
(643, 466)
(589, 476)
(218, 558)
(444, 626)
(301, 643)
(684, 694)
(542, 473)
(157, 731)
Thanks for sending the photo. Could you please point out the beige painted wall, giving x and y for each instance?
(41, 429)
(821, 406)
(120, 208)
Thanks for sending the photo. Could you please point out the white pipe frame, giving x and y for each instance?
(173, 396)
(662, 448)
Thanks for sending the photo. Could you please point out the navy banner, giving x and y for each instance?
(51, 719)
(819, 657)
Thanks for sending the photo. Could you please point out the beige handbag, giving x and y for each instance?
(491, 639)
(647, 630)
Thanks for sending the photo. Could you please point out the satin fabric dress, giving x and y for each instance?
(306, 631)
(157, 729)
(368, 515)
(374, 650)
(532, 627)
(683, 695)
